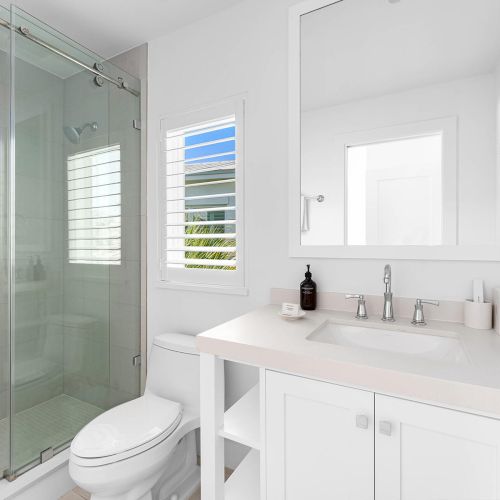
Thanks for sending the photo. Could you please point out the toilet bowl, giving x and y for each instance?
(146, 449)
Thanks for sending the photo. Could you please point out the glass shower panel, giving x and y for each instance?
(125, 279)
(4, 269)
(77, 165)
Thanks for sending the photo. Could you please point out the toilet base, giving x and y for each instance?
(182, 478)
(178, 478)
(187, 488)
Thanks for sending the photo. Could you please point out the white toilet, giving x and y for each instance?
(145, 449)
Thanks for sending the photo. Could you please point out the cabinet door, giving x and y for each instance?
(424, 452)
(319, 440)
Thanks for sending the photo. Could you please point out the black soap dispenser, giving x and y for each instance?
(308, 292)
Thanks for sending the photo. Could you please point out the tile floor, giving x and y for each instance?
(79, 494)
(51, 423)
(76, 494)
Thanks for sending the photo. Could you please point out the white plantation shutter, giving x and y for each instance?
(94, 207)
(202, 206)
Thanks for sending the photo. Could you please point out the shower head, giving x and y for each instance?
(74, 133)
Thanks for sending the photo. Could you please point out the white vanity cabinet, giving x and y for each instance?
(334, 421)
(326, 441)
(424, 452)
(319, 440)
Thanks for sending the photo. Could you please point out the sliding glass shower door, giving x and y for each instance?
(75, 241)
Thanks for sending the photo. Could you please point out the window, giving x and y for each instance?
(94, 207)
(202, 240)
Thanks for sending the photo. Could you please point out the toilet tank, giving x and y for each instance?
(173, 370)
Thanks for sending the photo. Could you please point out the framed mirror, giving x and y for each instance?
(395, 129)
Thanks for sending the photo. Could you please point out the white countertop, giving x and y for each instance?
(261, 338)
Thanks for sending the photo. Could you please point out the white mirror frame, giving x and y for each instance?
(445, 252)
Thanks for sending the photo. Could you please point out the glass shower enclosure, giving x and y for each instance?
(70, 226)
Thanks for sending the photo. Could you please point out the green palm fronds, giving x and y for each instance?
(209, 242)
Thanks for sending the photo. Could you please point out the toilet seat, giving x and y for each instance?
(126, 430)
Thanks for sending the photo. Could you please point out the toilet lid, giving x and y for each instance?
(127, 426)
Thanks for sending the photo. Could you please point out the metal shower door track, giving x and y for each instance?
(96, 70)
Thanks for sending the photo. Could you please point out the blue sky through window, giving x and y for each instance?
(225, 150)
(213, 135)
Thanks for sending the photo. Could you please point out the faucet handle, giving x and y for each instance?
(427, 301)
(361, 311)
(418, 315)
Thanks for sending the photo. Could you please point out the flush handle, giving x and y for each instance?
(362, 421)
(385, 427)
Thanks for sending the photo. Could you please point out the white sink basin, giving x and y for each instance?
(424, 345)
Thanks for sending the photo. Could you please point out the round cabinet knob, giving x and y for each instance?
(385, 427)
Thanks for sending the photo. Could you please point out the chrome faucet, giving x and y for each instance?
(388, 312)
(418, 315)
(361, 310)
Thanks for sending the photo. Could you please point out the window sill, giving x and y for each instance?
(197, 287)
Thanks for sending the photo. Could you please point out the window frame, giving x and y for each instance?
(204, 279)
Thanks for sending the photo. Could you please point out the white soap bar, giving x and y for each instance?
(288, 309)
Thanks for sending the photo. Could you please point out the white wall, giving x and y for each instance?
(244, 49)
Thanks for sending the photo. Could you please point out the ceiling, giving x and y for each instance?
(110, 27)
(361, 49)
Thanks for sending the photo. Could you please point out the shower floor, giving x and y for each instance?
(51, 423)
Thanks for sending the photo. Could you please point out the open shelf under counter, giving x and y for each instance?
(244, 482)
(242, 420)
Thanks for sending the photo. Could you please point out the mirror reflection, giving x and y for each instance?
(399, 111)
